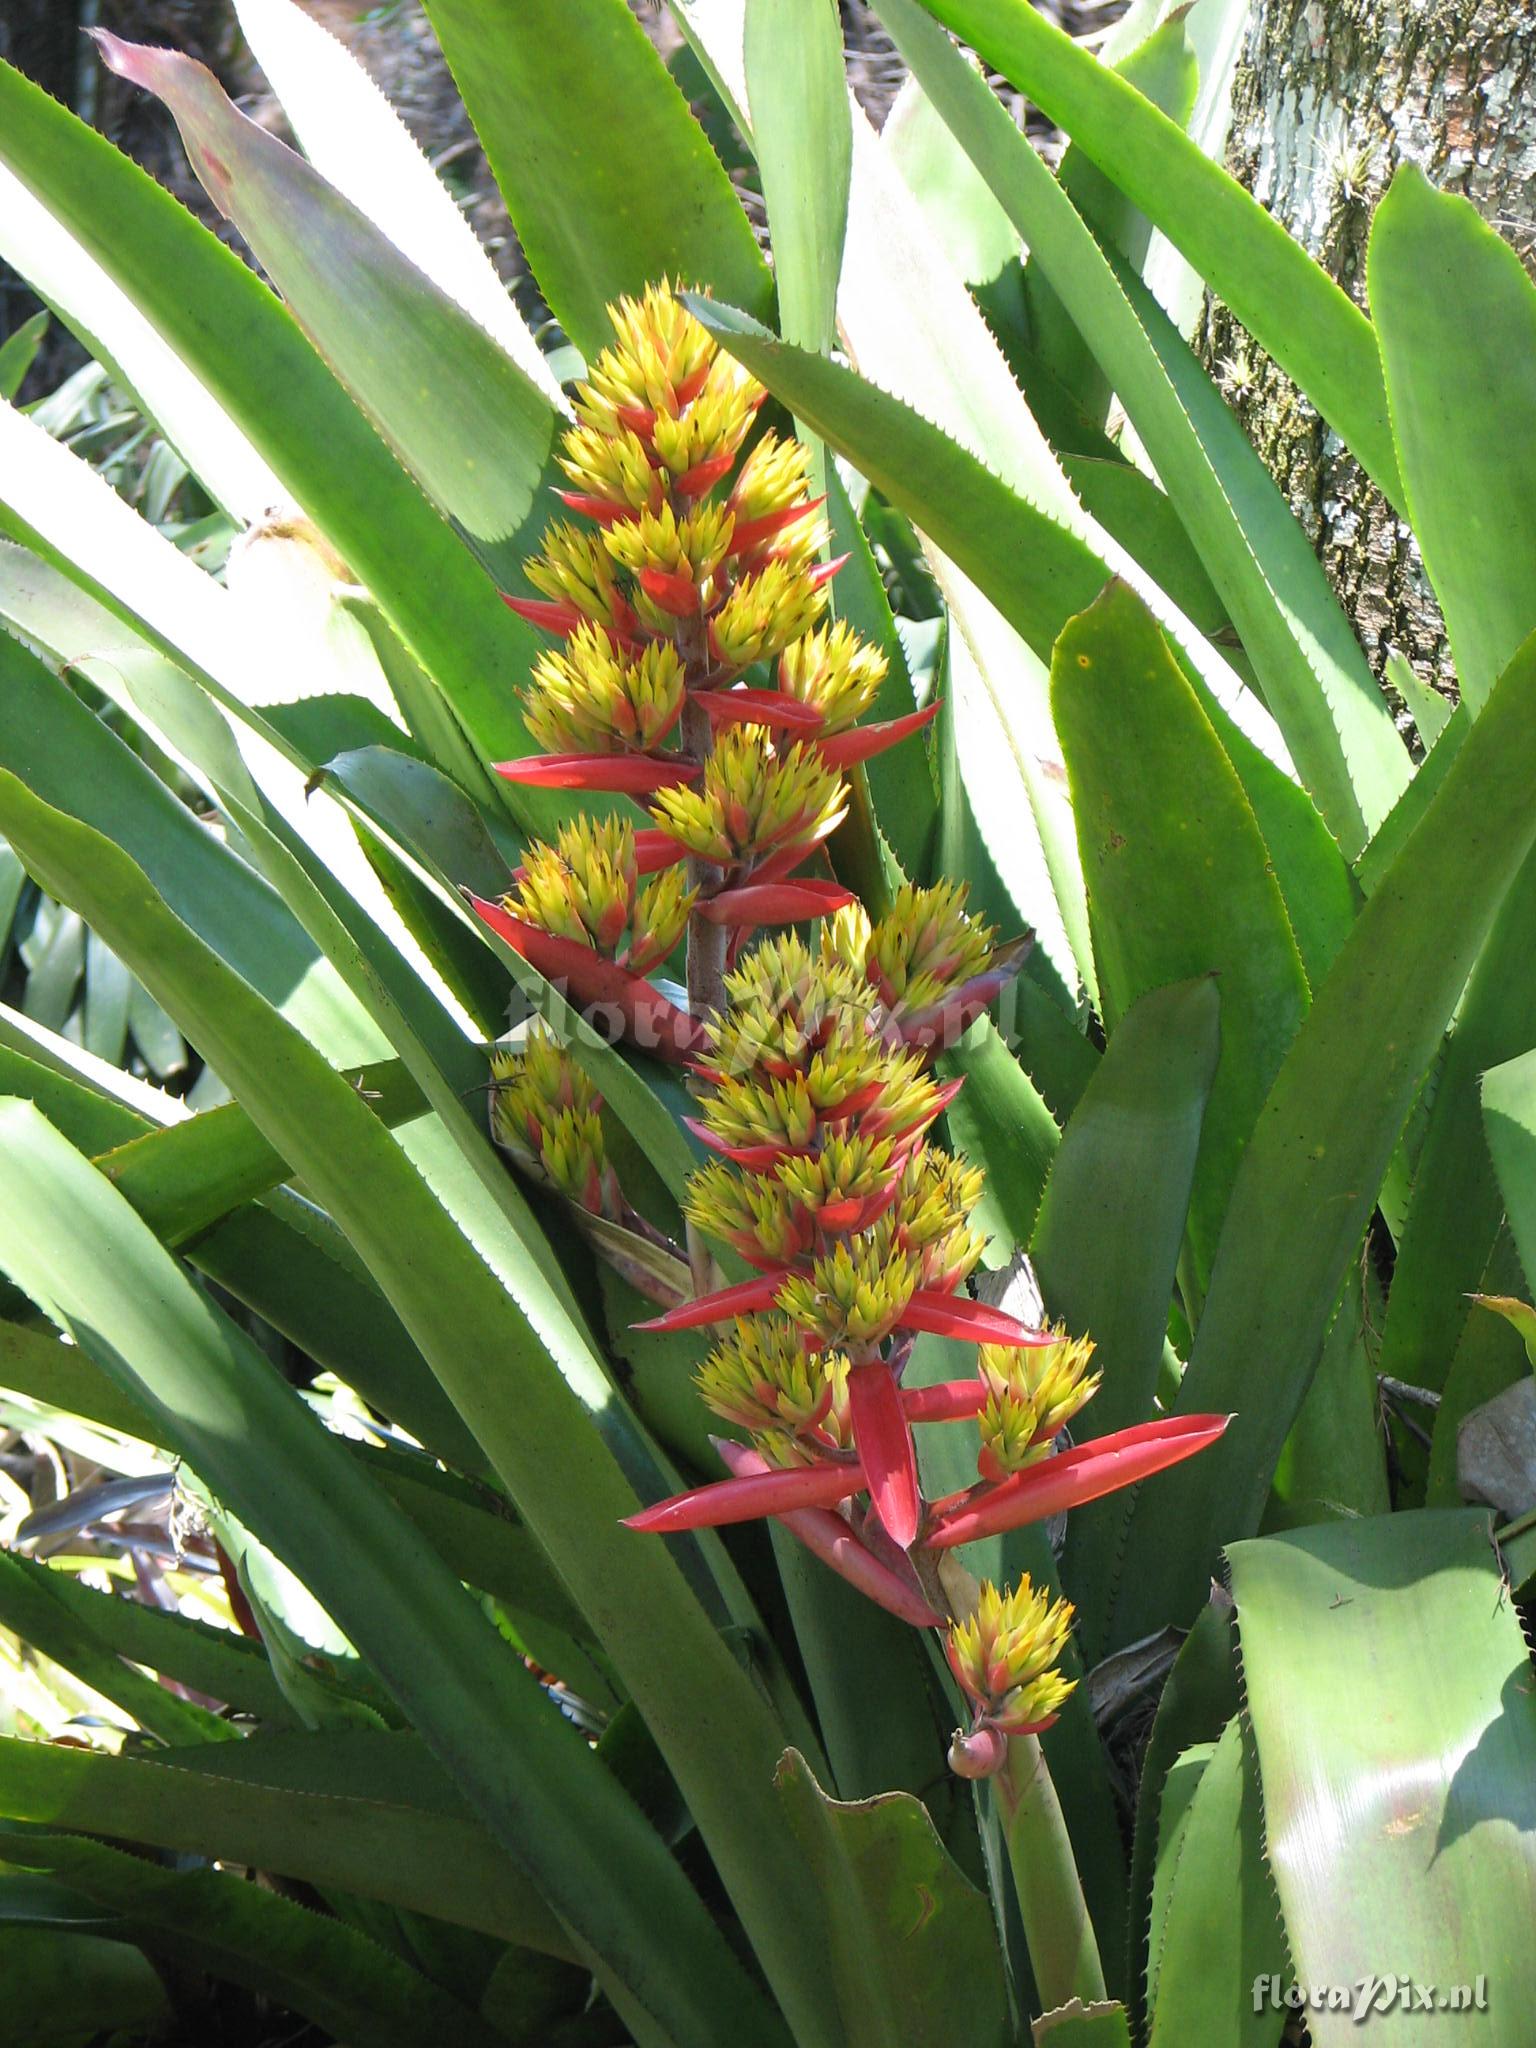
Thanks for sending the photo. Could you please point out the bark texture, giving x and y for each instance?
(1330, 96)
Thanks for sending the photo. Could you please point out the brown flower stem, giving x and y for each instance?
(1063, 1952)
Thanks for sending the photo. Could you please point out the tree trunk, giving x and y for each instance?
(1330, 96)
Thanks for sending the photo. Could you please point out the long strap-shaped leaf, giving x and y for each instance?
(208, 1921)
(249, 353)
(719, 1738)
(275, 1466)
(466, 421)
(1178, 874)
(607, 176)
(1456, 314)
(356, 140)
(1290, 306)
(1313, 1168)
(356, 1811)
(1314, 677)
(1106, 1245)
(1396, 1752)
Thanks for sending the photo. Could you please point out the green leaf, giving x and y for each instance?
(1334, 1460)
(1165, 71)
(1408, 1725)
(1311, 1174)
(1509, 1118)
(215, 1661)
(590, 1852)
(1455, 314)
(803, 141)
(1083, 2026)
(1456, 1204)
(1219, 1930)
(913, 1942)
(535, 1423)
(29, 1609)
(18, 352)
(1293, 308)
(243, 1933)
(1106, 1243)
(1198, 1700)
(213, 310)
(1179, 878)
(465, 420)
(63, 1985)
(608, 178)
(64, 753)
(358, 1811)
(1310, 668)
(1000, 1121)
(900, 782)
(189, 1176)
(359, 144)
(1489, 1359)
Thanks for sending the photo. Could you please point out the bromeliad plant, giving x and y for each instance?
(813, 1057)
(386, 1393)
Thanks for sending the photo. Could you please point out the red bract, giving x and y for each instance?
(943, 1023)
(626, 774)
(882, 1437)
(956, 1315)
(749, 534)
(862, 742)
(746, 1298)
(651, 1020)
(1073, 1478)
(828, 1536)
(773, 1491)
(552, 614)
(758, 707)
(675, 593)
(949, 1401)
(755, 903)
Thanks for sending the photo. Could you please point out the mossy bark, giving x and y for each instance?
(1330, 97)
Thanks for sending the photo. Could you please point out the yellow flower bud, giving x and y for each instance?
(753, 799)
(585, 887)
(854, 1293)
(926, 946)
(575, 567)
(1033, 1394)
(590, 697)
(793, 1401)
(836, 671)
(765, 611)
(1006, 1653)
